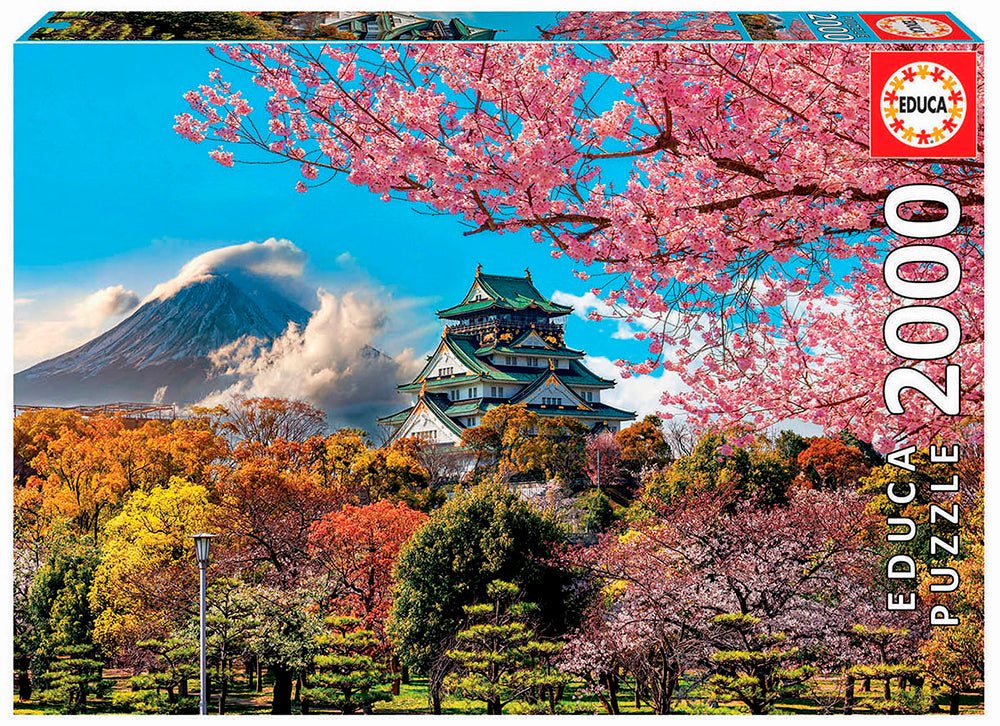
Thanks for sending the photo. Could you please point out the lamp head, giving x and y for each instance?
(202, 543)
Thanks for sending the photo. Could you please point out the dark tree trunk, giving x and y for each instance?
(250, 673)
(304, 702)
(223, 691)
(888, 689)
(435, 702)
(610, 702)
(260, 674)
(182, 687)
(672, 683)
(298, 687)
(954, 699)
(281, 696)
(394, 669)
(867, 684)
(23, 680)
(849, 696)
(404, 675)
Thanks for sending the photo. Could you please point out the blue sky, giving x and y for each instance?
(107, 194)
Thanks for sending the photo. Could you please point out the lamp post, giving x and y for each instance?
(202, 544)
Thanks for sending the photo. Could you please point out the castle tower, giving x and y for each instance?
(504, 343)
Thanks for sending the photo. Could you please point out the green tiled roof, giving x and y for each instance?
(508, 293)
(541, 381)
(576, 375)
(550, 352)
(395, 419)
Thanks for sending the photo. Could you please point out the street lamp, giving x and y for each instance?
(202, 544)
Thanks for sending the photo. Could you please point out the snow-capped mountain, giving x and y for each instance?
(162, 351)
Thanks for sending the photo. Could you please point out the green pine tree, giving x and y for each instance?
(758, 669)
(73, 677)
(348, 678)
(154, 692)
(498, 657)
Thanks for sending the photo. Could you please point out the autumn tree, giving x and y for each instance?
(143, 588)
(716, 464)
(499, 436)
(643, 447)
(267, 503)
(830, 463)
(265, 420)
(556, 449)
(394, 473)
(357, 548)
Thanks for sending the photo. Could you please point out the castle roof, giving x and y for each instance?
(491, 292)
(465, 348)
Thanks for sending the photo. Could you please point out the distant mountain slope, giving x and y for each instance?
(165, 343)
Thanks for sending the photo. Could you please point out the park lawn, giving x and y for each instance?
(823, 697)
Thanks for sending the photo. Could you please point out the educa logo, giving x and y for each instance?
(923, 104)
(914, 26)
(926, 26)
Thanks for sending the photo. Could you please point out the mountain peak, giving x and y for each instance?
(167, 341)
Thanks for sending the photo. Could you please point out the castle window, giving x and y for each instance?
(532, 362)
(511, 360)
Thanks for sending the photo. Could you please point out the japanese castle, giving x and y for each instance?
(502, 344)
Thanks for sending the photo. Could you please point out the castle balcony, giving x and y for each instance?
(497, 332)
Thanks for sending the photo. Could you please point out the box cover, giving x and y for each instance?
(422, 362)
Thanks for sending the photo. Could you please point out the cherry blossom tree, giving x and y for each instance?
(787, 572)
(722, 193)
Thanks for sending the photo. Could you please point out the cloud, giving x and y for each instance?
(106, 303)
(63, 327)
(273, 259)
(330, 363)
(637, 393)
(20, 302)
(584, 304)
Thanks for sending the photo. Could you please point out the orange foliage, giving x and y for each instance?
(831, 464)
(357, 547)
